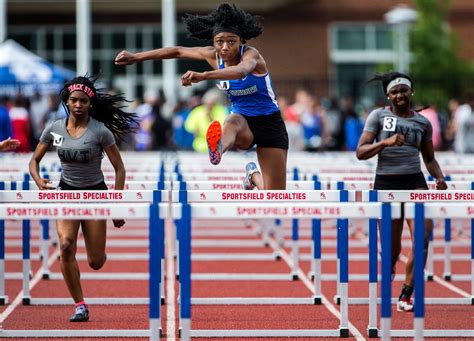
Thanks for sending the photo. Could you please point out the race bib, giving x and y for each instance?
(389, 123)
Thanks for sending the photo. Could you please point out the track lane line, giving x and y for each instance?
(36, 278)
(436, 278)
(307, 282)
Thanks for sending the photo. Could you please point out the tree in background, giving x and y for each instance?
(438, 71)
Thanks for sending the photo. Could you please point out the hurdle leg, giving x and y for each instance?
(265, 232)
(386, 306)
(185, 294)
(277, 235)
(316, 259)
(294, 249)
(156, 244)
(177, 224)
(447, 250)
(45, 247)
(418, 270)
(472, 261)
(430, 260)
(372, 330)
(3, 297)
(26, 236)
(344, 278)
(337, 297)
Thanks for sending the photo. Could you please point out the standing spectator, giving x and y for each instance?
(183, 139)
(432, 115)
(38, 110)
(200, 117)
(5, 122)
(20, 123)
(347, 112)
(160, 129)
(143, 136)
(459, 114)
(293, 124)
(334, 122)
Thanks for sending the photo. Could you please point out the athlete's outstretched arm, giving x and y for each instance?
(198, 53)
(247, 65)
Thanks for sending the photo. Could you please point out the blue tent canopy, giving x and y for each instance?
(23, 71)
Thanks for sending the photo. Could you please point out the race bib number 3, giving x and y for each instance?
(389, 123)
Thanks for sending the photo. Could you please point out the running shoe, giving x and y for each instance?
(81, 314)
(214, 142)
(405, 304)
(250, 169)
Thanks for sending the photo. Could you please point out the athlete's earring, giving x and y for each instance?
(90, 106)
(388, 98)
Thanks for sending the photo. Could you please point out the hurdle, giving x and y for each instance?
(401, 197)
(277, 210)
(420, 211)
(154, 213)
(24, 197)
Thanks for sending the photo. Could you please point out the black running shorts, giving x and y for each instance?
(269, 131)
(101, 186)
(400, 182)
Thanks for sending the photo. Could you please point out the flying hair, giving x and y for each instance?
(105, 107)
(226, 16)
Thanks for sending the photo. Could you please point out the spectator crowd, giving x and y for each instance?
(313, 123)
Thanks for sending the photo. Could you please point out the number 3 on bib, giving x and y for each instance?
(389, 123)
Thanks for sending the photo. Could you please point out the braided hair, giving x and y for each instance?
(386, 78)
(105, 107)
(225, 18)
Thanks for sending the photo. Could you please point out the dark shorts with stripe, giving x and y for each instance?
(400, 182)
(269, 131)
(101, 186)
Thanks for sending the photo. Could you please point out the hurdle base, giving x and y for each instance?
(343, 332)
(447, 277)
(317, 300)
(337, 299)
(294, 277)
(26, 300)
(45, 276)
(177, 277)
(429, 278)
(373, 332)
(3, 300)
(472, 300)
(163, 300)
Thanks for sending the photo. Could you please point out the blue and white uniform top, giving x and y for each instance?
(251, 95)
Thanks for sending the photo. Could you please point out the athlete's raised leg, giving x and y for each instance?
(95, 232)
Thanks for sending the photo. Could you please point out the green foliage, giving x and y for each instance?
(438, 72)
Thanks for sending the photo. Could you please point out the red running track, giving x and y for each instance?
(323, 316)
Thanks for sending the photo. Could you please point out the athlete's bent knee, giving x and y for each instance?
(97, 263)
(67, 249)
